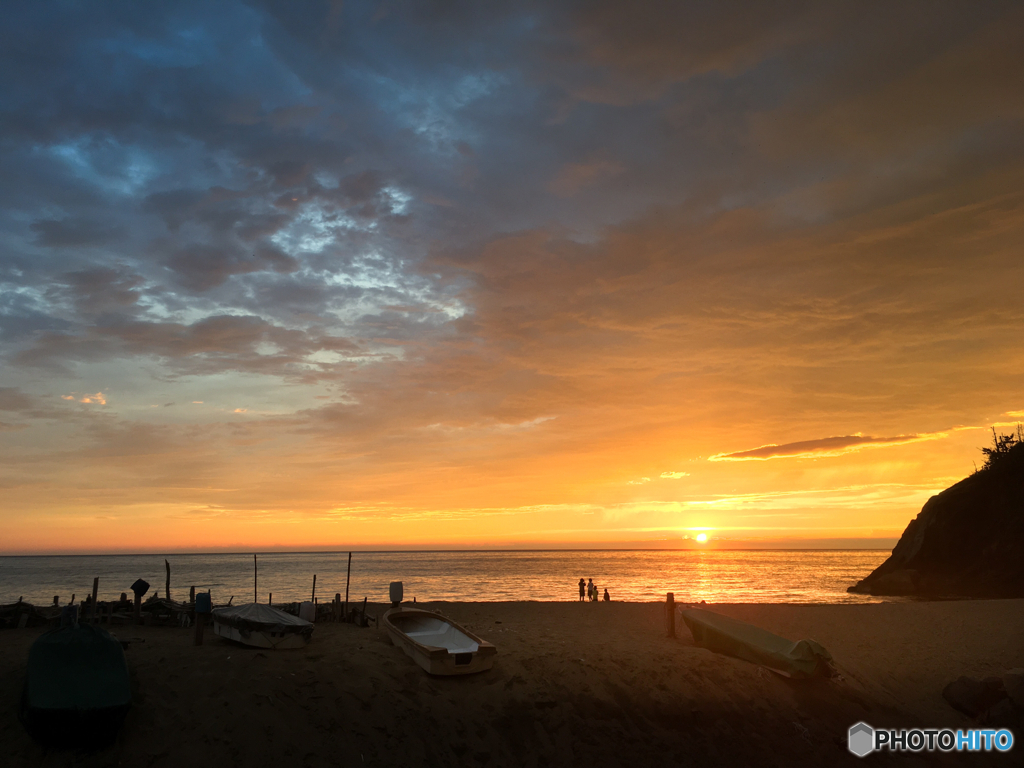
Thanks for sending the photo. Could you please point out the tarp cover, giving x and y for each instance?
(733, 637)
(77, 686)
(261, 617)
(80, 667)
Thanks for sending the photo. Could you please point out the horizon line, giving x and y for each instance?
(430, 551)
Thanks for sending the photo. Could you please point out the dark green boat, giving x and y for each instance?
(77, 690)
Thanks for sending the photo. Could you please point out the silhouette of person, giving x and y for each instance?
(583, 586)
(606, 598)
(591, 589)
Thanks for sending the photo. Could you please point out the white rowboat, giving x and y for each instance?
(437, 644)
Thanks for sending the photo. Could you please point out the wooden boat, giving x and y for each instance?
(438, 644)
(261, 626)
(77, 688)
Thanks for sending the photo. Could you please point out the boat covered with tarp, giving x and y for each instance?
(77, 688)
(438, 644)
(724, 634)
(261, 626)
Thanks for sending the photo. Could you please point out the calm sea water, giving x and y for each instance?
(789, 576)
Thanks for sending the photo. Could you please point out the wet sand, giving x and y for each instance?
(574, 684)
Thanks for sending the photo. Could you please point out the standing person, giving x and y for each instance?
(590, 589)
(583, 586)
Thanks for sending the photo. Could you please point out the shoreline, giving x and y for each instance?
(573, 686)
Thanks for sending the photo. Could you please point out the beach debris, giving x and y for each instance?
(973, 697)
(995, 702)
(22, 615)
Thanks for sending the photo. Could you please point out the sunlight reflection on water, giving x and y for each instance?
(763, 576)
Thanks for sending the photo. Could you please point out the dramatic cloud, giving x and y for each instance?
(425, 260)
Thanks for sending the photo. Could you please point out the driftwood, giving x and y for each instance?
(22, 614)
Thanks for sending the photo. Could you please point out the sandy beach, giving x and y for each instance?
(573, 685)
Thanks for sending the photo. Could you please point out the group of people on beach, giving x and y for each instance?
(589, 591)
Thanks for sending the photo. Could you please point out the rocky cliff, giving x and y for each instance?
(968, 541)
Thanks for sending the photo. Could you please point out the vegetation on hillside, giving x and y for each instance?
(1001, 447)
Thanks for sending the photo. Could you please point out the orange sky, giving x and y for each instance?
(466, 285)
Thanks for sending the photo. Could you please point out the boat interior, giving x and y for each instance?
(427, 630)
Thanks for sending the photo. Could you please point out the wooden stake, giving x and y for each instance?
(270, 600)
(348, 578)
(167, 584)
(95, 589)
(670, 610)
(255, 579)
(192, 595)
(313, 596)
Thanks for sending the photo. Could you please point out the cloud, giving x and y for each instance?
(96, 399)
(202, 267)
(674, 475)
(826, 446)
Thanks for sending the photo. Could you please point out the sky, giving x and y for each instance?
(418, 274)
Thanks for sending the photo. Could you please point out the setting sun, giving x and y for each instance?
(702, 537)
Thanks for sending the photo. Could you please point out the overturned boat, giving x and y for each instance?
(77, 689)
(724, 634)
(261, 626)
(438, 644)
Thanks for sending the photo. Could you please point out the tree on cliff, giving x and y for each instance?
(1001, 446)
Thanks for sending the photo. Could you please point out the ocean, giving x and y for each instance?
(730, 576)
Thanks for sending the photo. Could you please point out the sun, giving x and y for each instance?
(702, 537)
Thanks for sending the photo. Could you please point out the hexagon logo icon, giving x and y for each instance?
(861, 739)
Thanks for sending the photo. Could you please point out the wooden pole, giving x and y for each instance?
(348, 579)
(270, 600)
(255, 579)
(167, 583)
(313, 596)
(670, 611)
(95, 589)
(192, 595)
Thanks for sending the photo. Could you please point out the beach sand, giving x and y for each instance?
(574, 684)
